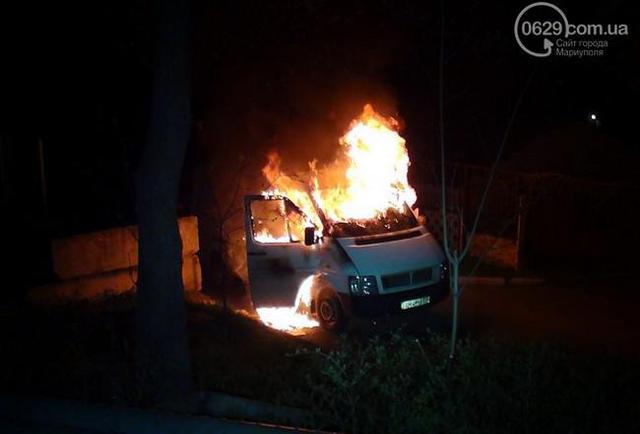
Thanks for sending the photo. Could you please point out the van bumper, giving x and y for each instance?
(381, 304)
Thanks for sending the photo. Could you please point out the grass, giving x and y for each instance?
(393, 383)
(84, 351)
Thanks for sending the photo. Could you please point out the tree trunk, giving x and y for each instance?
(162, 353)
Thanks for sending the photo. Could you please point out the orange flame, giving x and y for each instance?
(368, 177)
(375, 178)
(291, 319)
(265, 237)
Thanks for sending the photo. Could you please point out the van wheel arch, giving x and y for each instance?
(329, 309)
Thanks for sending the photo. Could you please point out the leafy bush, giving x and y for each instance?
(386, 384)
(404, 385)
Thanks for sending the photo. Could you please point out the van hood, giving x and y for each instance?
(393, 253)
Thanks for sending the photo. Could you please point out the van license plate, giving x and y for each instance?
(415, 302)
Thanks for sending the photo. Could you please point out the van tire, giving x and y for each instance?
(329, 312)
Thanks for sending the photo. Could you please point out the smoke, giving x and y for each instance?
(263, 93)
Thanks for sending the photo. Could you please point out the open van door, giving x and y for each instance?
(278, 260)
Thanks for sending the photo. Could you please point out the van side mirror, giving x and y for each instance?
(309, 236)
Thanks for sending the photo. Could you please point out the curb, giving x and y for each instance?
(225, 406)
(97, 418)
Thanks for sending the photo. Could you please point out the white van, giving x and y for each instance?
(391, 265)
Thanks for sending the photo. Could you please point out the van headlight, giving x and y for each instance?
(363, 285)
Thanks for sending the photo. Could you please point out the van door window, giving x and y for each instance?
(276, 221)
(296, 223)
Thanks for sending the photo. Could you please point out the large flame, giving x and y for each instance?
(367, 178)
(375, 173)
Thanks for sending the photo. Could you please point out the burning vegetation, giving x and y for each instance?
(364, 191)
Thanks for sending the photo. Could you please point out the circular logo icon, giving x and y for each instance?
(536, 24)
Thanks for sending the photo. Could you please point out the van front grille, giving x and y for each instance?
(422, 275)
(395, 280)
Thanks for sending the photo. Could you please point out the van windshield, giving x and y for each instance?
(392, 220)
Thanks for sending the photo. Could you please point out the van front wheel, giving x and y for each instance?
(330, 314)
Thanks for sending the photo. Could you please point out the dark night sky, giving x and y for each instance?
(285, 73)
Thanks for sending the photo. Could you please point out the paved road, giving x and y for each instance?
(22, 427)
(22, 415)
(598, 317)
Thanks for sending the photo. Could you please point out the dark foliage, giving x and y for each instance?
(398, 383)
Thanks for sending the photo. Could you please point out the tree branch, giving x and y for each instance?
(492, 173)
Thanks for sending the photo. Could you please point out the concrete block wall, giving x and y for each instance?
(93, 264)
(502, 252)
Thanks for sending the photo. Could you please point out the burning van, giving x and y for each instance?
(343, 239)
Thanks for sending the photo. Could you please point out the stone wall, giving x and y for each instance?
(502, 252)
(93, 264)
